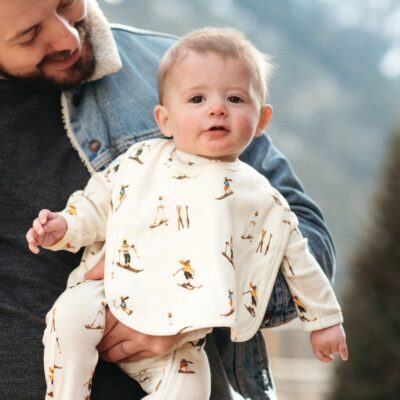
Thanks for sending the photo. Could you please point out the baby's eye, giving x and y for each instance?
(235, 99)
(197, 99)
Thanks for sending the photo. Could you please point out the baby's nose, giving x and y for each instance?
(218, 108)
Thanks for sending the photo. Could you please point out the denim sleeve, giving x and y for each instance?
(269, 161)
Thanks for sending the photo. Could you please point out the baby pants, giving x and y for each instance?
(75, 326)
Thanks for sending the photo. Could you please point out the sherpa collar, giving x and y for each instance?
(105, 49)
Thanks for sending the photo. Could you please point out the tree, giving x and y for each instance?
(372, 302)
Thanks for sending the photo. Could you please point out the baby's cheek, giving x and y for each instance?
(247, 126)
(188, 122)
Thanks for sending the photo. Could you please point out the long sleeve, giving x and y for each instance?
(267, 159)
(311, 290)
(87, 211)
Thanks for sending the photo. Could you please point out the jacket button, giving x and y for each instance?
(94, 145)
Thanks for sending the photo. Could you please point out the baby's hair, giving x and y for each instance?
(226, 42)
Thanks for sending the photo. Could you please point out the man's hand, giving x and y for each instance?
(122, 344)
(328, 341)
(47, 229)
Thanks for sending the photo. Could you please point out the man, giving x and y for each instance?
(106, 80)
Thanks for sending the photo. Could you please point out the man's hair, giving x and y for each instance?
(226, 42)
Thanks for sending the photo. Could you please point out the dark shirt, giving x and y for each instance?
(38, 169)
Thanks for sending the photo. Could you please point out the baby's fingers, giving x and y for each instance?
(324, 356)
(343, 352)
(32, 239)
(44, 216)
(38, 227)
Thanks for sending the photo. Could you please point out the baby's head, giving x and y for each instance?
(225, 42)
(212, 87)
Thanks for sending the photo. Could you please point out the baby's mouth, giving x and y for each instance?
(218, 128)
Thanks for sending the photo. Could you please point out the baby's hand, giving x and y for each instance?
(47, 229)
(328, 341)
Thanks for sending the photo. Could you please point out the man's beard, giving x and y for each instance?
(78, 73)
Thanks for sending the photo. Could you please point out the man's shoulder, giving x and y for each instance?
(140, 32)
(137, 35)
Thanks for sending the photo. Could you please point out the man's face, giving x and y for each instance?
(45, 41)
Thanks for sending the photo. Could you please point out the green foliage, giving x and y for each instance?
(372, 304)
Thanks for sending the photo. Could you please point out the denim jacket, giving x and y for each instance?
(106, 115)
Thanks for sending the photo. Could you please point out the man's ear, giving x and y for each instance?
(263, 119)
(161, 116)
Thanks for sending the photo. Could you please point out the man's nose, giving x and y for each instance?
(218, 109)
(62, 35)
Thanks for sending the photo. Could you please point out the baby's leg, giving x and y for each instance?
(75, 326)
(182, 374)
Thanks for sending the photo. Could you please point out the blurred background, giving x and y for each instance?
(336, 99)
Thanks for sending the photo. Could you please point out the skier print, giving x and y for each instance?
(160, 218)
(227, 189)
(139, 153)
(232, 310)
(188, 273)
(122, 195)
(228, 252)
(249, 232)
(254, 300)
(302, 310)
(125, 250)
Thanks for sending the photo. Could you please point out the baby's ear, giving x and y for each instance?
(161, 116)
(263, 119)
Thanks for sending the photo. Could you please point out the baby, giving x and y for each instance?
(194, 238)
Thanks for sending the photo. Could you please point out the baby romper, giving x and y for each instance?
(190, 244)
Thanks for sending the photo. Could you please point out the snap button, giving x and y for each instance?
(94, 145)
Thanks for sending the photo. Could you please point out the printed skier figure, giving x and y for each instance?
(160, 218)
(227, 189)
(184, 367)
(125, 251)
(139, 153)
(122, 195)
(71, 209)
(188, 272)
(144, 376)
(229, 249)
(178, 175)
(52, 371)
(69, 246)
(302, 310)
(277, 199)
(232, 310)
(111, 171)
(249, 232)
(95, 324)
(180, 220)
(122, 305)
(253, 293)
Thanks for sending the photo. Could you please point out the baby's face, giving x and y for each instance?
(211, 108)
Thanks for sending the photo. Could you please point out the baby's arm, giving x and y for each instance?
(315, 300)
(82, 222)
(47, 229)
